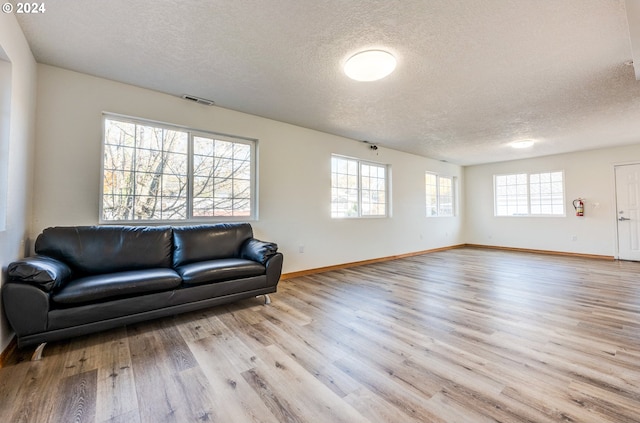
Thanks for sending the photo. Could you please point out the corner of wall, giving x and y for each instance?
(20, 151)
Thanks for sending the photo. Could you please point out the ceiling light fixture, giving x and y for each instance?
(370, 65)
(522, 144)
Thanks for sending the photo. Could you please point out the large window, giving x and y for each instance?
(358, 188)
(440, 196)
(157, 172)
(535, 194)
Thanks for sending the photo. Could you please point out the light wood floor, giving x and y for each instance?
(465, 335)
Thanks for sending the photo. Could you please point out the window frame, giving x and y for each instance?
(360, 163)
(528, 186)
(6, 89)
(191, 135)
(439, 195)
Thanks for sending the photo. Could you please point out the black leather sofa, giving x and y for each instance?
(85, 279)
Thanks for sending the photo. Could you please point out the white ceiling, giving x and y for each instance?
(472, 75)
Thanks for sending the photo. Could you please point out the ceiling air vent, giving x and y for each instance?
(198, 100)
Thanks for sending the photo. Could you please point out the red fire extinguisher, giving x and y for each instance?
(579, 206)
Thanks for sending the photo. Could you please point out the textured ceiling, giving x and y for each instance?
(472, 75)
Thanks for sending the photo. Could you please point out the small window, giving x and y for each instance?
(358, 188)
(156, 172)
(535, 194)
(440, 196)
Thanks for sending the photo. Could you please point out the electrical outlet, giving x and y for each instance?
(301, 249)
(574, 238)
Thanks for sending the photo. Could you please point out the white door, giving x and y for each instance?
(628, 211)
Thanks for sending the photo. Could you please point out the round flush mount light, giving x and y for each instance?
(370, 65)
(522, 144)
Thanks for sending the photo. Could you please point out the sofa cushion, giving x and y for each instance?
(209, 242)
(92, 250)
(219, 270)
(112, 285)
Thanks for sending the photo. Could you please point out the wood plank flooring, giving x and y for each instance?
(465, 335)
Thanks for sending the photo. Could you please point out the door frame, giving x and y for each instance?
(615, 203)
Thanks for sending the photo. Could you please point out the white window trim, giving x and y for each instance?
(454, 195)
(191, 134)
(6, 70)
(387, 189)
(528, 184)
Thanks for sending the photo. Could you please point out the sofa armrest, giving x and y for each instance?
(274, 269)
(256, 250)
(26, 308)
(44, 272)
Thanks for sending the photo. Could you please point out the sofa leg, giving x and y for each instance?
(267, 299)
(37, 354)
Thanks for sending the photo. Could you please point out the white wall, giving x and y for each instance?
(588, 174)
(294, 173)
(19, 166)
